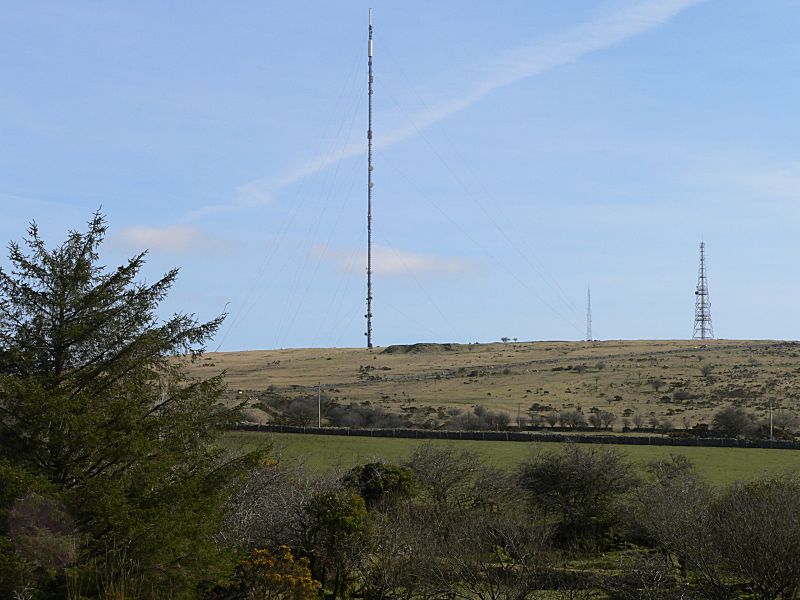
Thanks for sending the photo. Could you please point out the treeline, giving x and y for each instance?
(727, 422)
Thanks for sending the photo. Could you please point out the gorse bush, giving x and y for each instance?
(276, 575)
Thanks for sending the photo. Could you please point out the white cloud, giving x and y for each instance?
(178, 239)
(778, 182)
(392, 262)
(744, 177)
(514, 66)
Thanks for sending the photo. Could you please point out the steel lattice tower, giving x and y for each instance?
(703, 330)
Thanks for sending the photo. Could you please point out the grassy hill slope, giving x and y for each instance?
(684, 382)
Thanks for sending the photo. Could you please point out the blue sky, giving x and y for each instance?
(525, 150)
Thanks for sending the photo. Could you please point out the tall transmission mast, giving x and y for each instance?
(369, 185)
(588, 314)
(703, 330)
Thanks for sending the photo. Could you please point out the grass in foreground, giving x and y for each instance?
(720, 466)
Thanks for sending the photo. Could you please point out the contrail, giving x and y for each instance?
(514, 66)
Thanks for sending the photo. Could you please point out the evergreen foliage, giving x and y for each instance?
(336, 531)
(95, 402)
(378, 482)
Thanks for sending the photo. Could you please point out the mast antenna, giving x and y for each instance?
(588, 314)
(703, 330)
(369, 185)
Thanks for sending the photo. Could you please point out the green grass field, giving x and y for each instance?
(721, 466)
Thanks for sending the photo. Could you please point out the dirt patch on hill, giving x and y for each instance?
(423, 348)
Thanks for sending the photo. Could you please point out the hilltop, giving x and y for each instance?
(677, 382)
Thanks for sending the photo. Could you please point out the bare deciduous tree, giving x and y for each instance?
(760, 538)
(572, 419)
(602, 419)
(644, 576)
(579, 486)
(733, 421)
(397, 567)
(268, 510)
(490, 555)
(444, 473)
(302, 412)
(676, 510)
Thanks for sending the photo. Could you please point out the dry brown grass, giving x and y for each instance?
(614, 375)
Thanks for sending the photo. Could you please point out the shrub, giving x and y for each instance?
(680, 395)
(277, 575)
(675, 509)
(302, 412)
(336, 534)
(760, 537)
(380, 482)
(43, 532)
(733, 421)
(579, 486)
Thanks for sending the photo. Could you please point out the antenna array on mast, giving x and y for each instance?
(703, 330)
(369, 185)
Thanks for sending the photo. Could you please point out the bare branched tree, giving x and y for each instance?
(488, 555)
(760, 541)
(269, 508)
(644, 576)
(444, 474)
(579, 486)
(676, 509)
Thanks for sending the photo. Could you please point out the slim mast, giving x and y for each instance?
(588, 314)
(369, 186)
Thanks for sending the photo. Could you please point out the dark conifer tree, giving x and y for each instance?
(94, 399)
